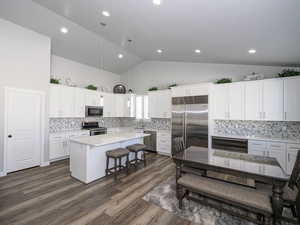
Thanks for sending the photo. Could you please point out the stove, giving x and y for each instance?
(94, 128)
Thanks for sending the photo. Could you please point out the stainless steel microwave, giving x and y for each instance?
(93, 111)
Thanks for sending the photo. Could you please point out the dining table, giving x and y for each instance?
(259, 168)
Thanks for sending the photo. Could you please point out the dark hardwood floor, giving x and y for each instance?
(50, 196)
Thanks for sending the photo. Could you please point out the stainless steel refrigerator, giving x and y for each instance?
(190, 120)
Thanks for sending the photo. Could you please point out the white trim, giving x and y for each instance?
(3, 174)
(164, 153)
(42, 132)
(43, 164)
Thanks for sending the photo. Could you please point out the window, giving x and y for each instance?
(142, 112)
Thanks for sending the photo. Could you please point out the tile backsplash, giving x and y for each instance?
(68, 124)
(273, 129)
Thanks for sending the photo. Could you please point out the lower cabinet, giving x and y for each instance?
(285, 153)
(163, 143)
(59, 144)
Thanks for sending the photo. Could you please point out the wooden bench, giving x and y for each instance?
(202, 189)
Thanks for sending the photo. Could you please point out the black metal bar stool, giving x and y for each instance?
(117, 155)
(136, 148)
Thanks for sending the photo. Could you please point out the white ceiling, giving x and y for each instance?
(223, 30)
(79, 44)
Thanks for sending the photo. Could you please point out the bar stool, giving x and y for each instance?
(136, 148)
(117, 155)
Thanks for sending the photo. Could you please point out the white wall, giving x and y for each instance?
(161, 74)
(81, 74)
(24, 63)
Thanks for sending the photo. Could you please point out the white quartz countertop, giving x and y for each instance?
(106, 139)
(255, 138)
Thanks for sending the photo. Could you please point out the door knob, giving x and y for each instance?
(9, 136)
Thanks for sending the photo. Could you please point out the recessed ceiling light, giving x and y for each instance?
(120, 56)
(157, 2)
(64, 30)
(105, 13)
(198, 51)
(252, 51)
(159, 51)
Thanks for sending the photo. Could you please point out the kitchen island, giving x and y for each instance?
(88, 154)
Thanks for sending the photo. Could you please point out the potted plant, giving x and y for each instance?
(153, 89)
(224, 81)
(54, 81)
(288, 73)
(172, 85)
(91, 87)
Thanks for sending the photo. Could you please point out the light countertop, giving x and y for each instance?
(255, 138)
(106, 139)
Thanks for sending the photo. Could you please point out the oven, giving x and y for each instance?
(93, 111)
(98, 131)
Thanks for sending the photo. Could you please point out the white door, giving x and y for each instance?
(273, 100)
(291, 99)
(55, 101)
(220, 102)
(236, 92)
(152, 101)
(253, 103)
(79, 103)
(109, 108)
(23, 130)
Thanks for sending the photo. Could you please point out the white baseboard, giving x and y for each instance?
(43, 164)
(2, 174)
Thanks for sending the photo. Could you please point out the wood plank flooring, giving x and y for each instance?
(50, 196)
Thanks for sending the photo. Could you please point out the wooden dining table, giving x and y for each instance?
(259, 168)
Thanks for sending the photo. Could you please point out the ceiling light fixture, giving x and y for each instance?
(156, 2)
(252, 51)
(105, 13)
(120, 56)
(198, 51)
(64, 30)
(159, 51)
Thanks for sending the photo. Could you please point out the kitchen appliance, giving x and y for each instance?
(190, 120)
(230, 144)
(93, 111)
(150, 141)
(94, 128)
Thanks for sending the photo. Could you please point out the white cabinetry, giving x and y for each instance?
(228, 101)
(160, 104)
(59, 143)
(93, 98)
(292, 150)
(291, 99)
(190, 90)
(119, 105)
(163, 142)
(264, 100)
(269, 148)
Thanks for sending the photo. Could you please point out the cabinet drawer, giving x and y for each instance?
(257, 145)
(293, 147)
(276, 146)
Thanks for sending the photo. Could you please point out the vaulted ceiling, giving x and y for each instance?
(223, 31)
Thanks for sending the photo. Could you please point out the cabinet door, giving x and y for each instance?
(291, 159)
(153, 106)
(273, 100)
(220, 102)
(256, 152)
(119, 105)
(164, 104)
(56, 150)
(109, 109)
(55, 101)
(79, 103)
(291, 99)
(67, 101)
(253, 103)
(92, 98)
(279, 155)
(236, 93)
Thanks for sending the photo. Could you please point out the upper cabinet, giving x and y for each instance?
(228, 101)
(291, 99)
(93, 98)
(119, 105)
(160, 104)
(267, 100)
(264, 100)
(190, 90)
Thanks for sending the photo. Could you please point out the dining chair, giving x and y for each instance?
(291, 190)
(178, 145)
